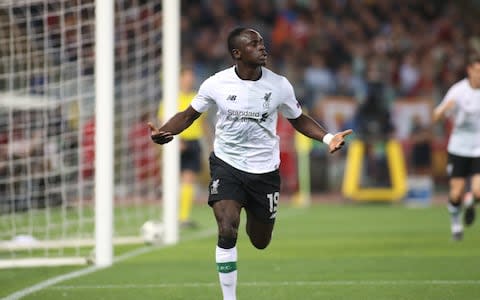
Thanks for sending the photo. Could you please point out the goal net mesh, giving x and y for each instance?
(47, 101)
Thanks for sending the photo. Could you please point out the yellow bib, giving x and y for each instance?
(195, 131)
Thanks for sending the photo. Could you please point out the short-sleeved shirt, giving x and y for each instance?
(245, 132)
(465, 137)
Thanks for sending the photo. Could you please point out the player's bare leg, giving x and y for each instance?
(227, 214)
(472, 200)
(457, 189)
(259, 233)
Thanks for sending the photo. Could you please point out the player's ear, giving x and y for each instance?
(236, 53)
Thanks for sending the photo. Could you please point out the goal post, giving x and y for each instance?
(171, 154)
(66, 78)
(104, 108)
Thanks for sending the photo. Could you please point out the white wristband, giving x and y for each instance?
(327, 138)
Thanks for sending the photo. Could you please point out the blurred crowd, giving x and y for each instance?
(371, 51)
(339, 47)
(325, 47)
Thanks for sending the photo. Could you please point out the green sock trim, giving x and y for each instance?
(227, 267)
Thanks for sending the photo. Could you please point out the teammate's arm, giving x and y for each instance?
(309, 127)
(442, 110)
(176, 124)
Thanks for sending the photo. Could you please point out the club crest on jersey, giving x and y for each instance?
(214, 187)
(267, 96)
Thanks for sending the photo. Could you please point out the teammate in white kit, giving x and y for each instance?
(462, 103)
(245, 161)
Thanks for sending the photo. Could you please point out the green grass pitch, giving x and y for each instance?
(321, 252)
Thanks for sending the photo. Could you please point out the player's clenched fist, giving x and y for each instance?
(159, 137)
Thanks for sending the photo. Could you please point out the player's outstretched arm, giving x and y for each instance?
(178, 123)
(309, 127)
(442, 109)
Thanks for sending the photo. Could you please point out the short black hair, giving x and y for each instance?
(473, 58)
(232, 38)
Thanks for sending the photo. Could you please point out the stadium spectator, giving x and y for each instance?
(88, 148)
(190, 147)
(347, 84)
(4, 168)
(319, 78)
(421, 154)
(145, 157)
(409, 74)
(461, 103)
(373, 124)
(288, 157)
(245, 161)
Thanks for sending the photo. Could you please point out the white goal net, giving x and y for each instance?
(47, 125)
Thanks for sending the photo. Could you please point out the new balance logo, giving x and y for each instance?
(232, 97)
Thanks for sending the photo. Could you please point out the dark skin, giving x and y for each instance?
(249, 55)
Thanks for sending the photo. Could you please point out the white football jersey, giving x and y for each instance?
(246, 128)
(465, 137)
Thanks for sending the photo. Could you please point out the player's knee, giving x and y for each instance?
(476, 196)
(260, 242)
(261, 245)
(476, 192)
(455, 198)
(228, 230)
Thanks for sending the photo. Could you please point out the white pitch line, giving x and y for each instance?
(270, 284)
(52, 281)
(49, 282)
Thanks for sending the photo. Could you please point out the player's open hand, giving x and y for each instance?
(159, 137)
(338, 140)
